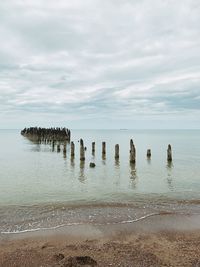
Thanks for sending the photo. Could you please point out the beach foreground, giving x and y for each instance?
(164, 240)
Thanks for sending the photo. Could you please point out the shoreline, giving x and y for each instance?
(151, 223)
(33, 218)
(162, 240)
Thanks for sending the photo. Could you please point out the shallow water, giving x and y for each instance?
(42, 188)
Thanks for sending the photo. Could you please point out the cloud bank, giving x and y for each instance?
(100, 64)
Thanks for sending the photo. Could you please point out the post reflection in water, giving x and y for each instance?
(65, 150)
(64, 155)
(133, 175)
(93, 156)
(169, 168)
(82, 177)
(53, 147)
(104, 159)
(36, 148)
(72, 162)
(117, 163)
(117, 171)
(149, 161)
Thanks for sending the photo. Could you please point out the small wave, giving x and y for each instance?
(81, 223)
(39, 229)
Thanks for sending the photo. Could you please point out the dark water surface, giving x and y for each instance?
(42, 189)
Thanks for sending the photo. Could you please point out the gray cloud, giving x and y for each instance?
(118, 61)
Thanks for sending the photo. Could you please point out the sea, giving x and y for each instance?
(41, 188)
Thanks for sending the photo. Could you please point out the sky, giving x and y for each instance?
(100, 64)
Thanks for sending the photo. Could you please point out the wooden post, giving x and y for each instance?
(58, 148)
(148, 153)
(117, 151)
(132, 152)
(103, 148)
(64, 148)
(53, 145)
(72, 149)
(93, 147)
(82, 150)
(169, 153)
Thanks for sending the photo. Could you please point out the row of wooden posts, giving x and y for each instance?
(132, 151)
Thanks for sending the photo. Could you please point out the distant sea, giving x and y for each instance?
(41, 189)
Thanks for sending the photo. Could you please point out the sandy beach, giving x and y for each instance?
(164, 240)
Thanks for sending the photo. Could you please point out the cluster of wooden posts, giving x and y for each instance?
(132, 151)
(47, 135)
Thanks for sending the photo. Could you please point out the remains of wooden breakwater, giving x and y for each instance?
(47, 135)
(132, 152)
(58, 136)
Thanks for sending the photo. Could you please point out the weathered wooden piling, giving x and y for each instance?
(82, 150)
(72, 149)
(148, 153)
(103, 148)
(53, 146)
(132, 152)
(64, 148)
(117, 151)
(169, 153)
(93, 147)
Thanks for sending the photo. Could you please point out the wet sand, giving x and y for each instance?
(163, 240)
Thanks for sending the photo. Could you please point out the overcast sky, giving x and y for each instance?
(100, 63)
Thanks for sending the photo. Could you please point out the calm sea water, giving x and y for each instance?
(40, 188)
